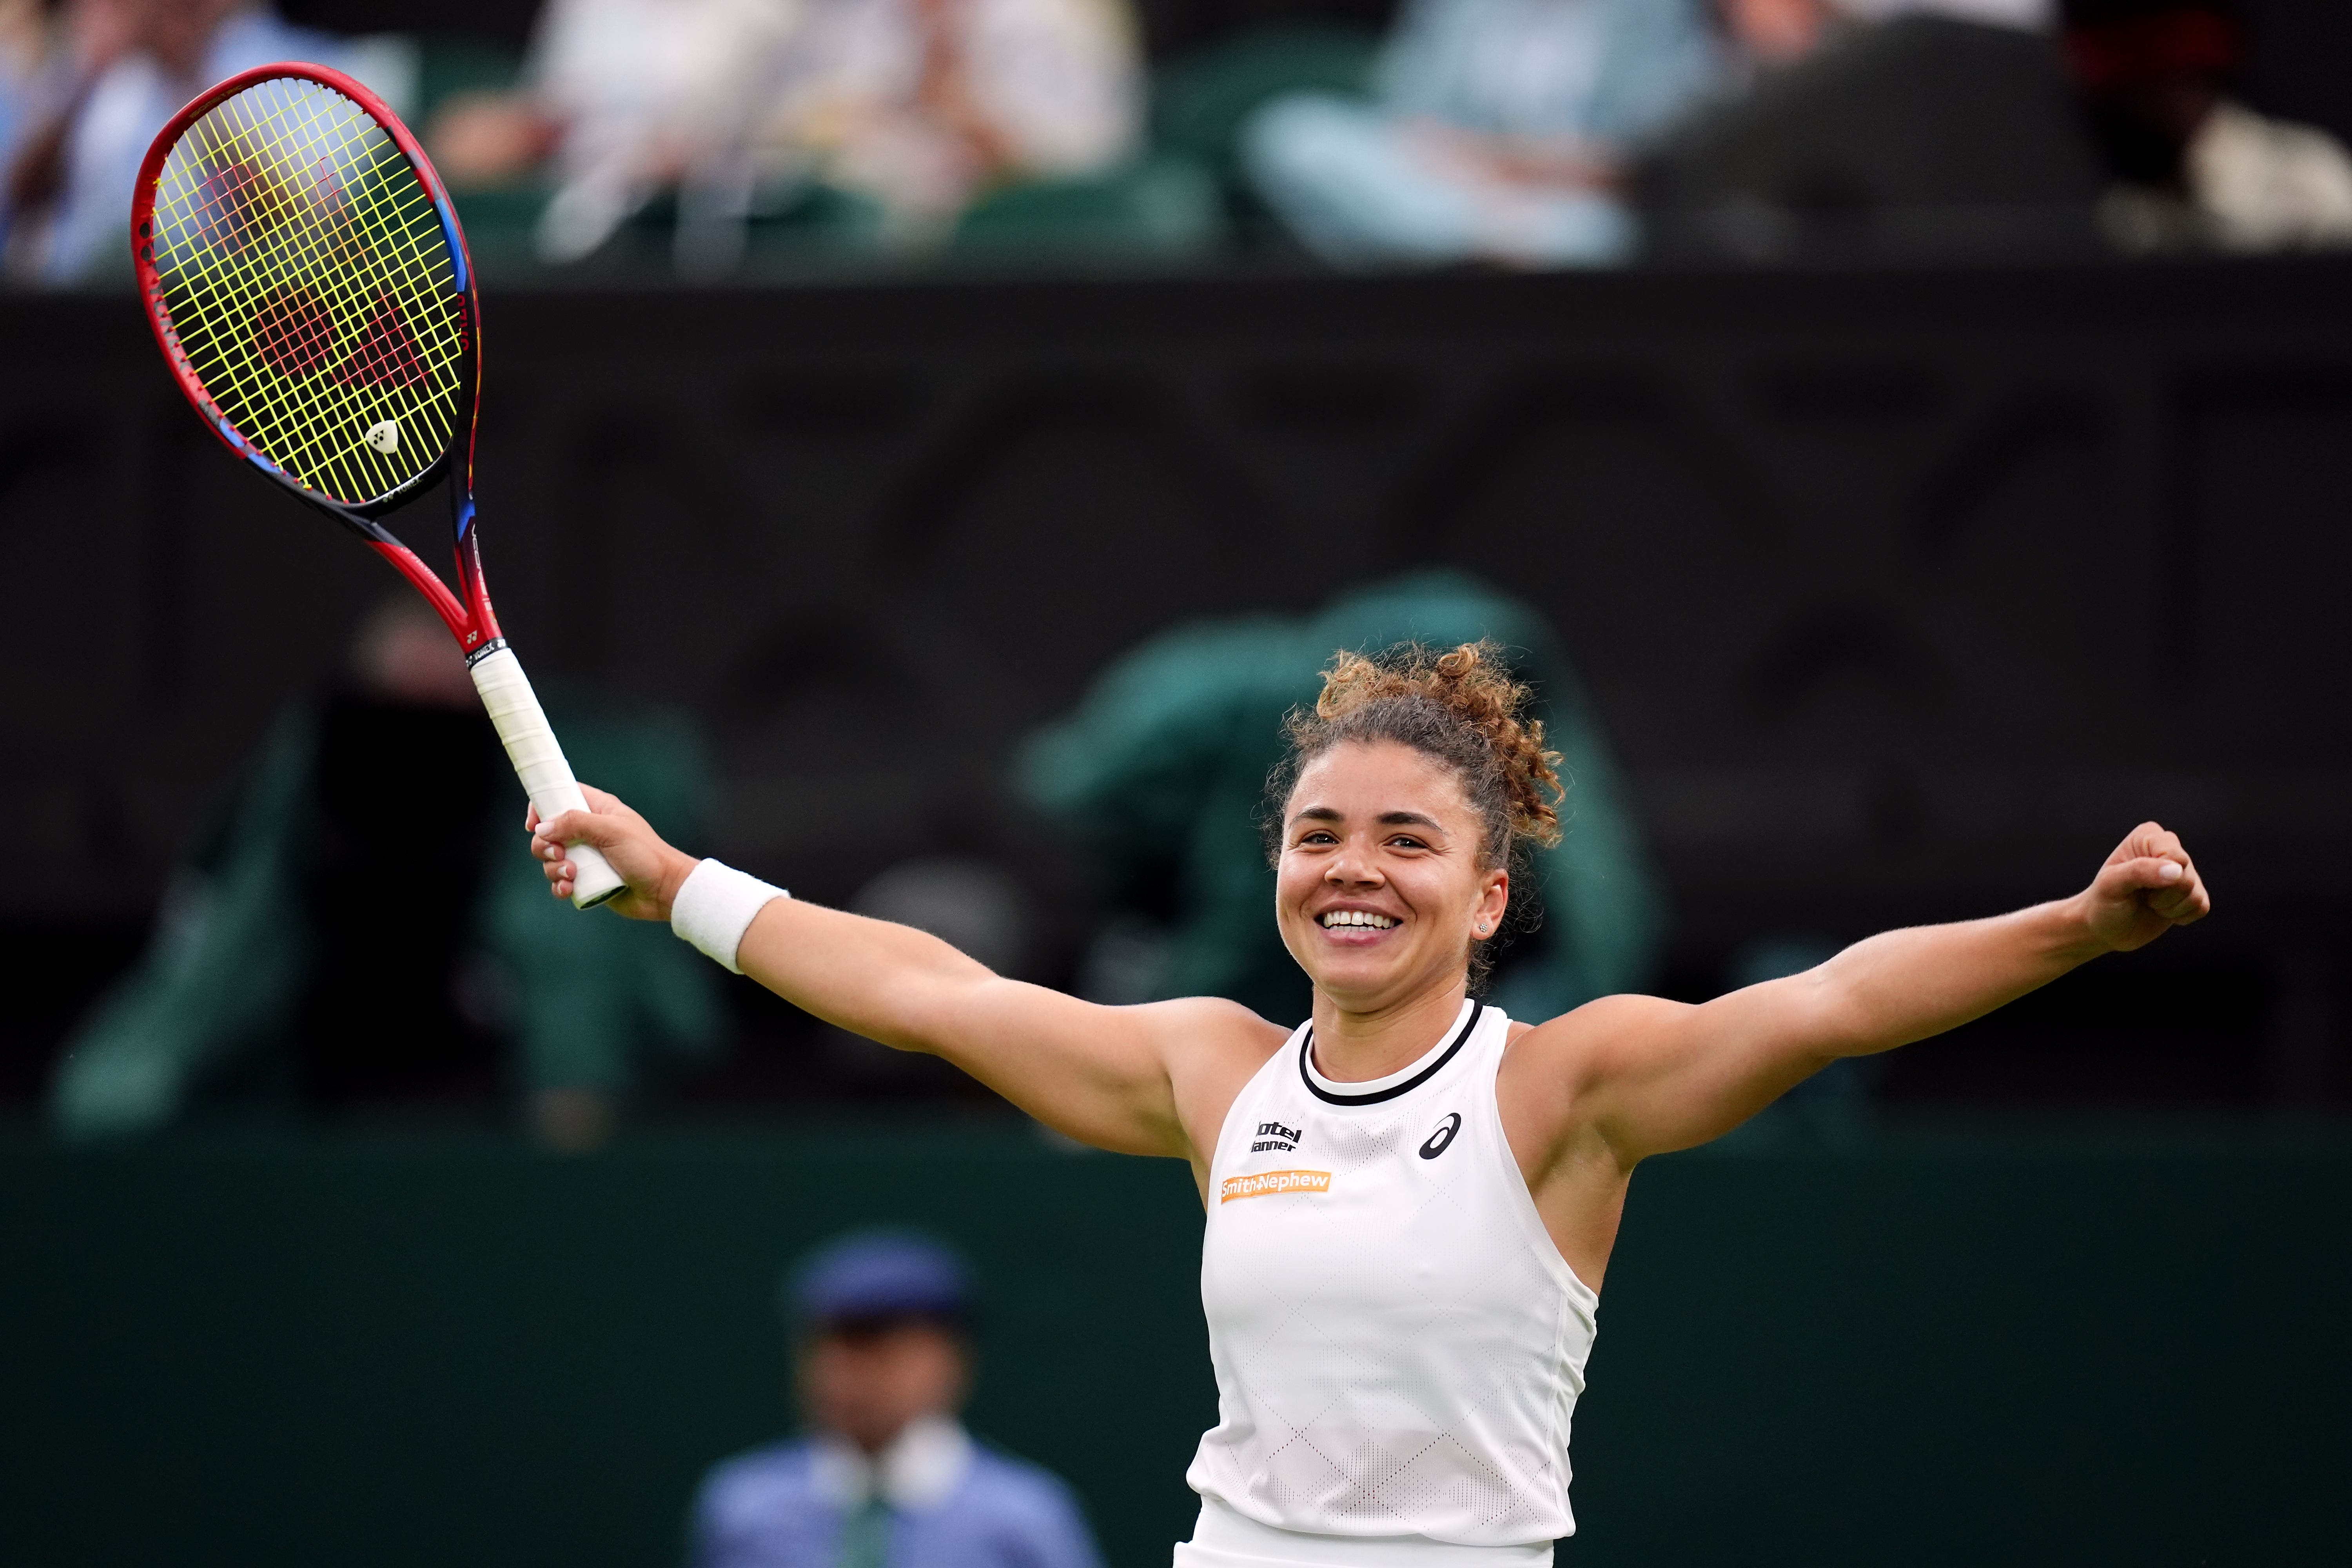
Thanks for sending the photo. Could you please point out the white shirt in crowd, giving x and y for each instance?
(893, 98)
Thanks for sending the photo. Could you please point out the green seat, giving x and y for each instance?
(1199, 102)
(448, 67)
(498, 223)
(1160, 208)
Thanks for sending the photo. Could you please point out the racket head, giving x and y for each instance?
(309, 284)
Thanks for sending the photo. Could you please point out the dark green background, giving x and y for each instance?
(2038, 1347)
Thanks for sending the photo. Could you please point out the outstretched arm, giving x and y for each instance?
(1105, 1076)
(1653, 1076)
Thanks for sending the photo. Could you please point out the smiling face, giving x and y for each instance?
(1381, 886)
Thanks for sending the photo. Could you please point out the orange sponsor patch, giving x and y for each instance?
(1265, 1183)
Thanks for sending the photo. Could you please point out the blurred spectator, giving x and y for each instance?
(118, 70)
(25, 52)
(2030, 15)
(628, 98)
(919, 104)
(1780, 32)
(2191, 165)
(268, 975)
(1775, 32)
(1500, 130)
(1959, 129)
(1915, 129)
(1164, 764)
(912, 107)
(887, 1477)
(1494, 132)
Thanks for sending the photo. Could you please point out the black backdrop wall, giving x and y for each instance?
(1902, 596)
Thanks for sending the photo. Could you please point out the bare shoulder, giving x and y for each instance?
(1555, 1075)
(1210, 1028)
(1212, 1047)
(1593, 1038)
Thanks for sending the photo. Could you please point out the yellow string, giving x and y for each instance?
(302, 254)
(244, 226)
(297, 251)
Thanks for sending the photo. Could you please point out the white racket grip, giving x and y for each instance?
(538, 763)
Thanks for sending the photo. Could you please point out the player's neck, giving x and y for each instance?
(1357, 1047)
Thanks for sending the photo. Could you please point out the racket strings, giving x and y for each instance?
(295, 337)
(218, 230)
(311, 287)
(239, 200)
(199, 219)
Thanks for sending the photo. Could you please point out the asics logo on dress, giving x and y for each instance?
(1274, 1135)
(1443, 1136)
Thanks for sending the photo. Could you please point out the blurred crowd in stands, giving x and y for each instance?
(457, 986)
(713, 137)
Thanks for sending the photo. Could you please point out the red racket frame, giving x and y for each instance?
(466, 612)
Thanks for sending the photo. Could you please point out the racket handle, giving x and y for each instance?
(538, 763)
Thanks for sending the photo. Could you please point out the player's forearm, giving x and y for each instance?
(888, 983)
(1906, 986)
(1658, 1075)
(909, 990)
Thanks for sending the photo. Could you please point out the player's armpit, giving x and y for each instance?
(1150, 1080)
(1100, 1075)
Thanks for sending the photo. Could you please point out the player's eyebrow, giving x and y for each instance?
(1386, 818)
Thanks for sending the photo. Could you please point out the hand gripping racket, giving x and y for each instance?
(311, 292)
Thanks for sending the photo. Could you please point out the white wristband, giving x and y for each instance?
(714, 908)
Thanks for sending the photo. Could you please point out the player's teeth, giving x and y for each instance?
(1358, 918)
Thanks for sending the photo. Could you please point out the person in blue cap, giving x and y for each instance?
(887, 1477)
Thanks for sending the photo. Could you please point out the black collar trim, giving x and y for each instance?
(1415, 1081)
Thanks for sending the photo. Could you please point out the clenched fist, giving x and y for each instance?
(2146, 887)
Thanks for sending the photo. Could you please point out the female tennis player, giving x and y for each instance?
(1410, 1198)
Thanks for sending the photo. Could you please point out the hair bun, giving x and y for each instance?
(1481, 729)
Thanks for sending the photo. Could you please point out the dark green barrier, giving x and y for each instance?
(1923, 1352)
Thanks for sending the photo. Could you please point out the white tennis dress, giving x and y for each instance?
(1398, 1345)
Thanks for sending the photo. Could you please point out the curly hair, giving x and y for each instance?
(1461, 708)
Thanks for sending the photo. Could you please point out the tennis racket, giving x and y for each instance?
(311, 292)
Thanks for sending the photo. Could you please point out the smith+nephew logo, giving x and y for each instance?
(1266, 1184)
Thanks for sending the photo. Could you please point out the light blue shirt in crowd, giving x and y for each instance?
(89, 233)
(1607, 70)
(953, 1504)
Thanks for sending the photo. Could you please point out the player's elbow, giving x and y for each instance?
(1841, 1018)
(943, 1015)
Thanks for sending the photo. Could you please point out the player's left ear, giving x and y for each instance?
(1493, 898)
